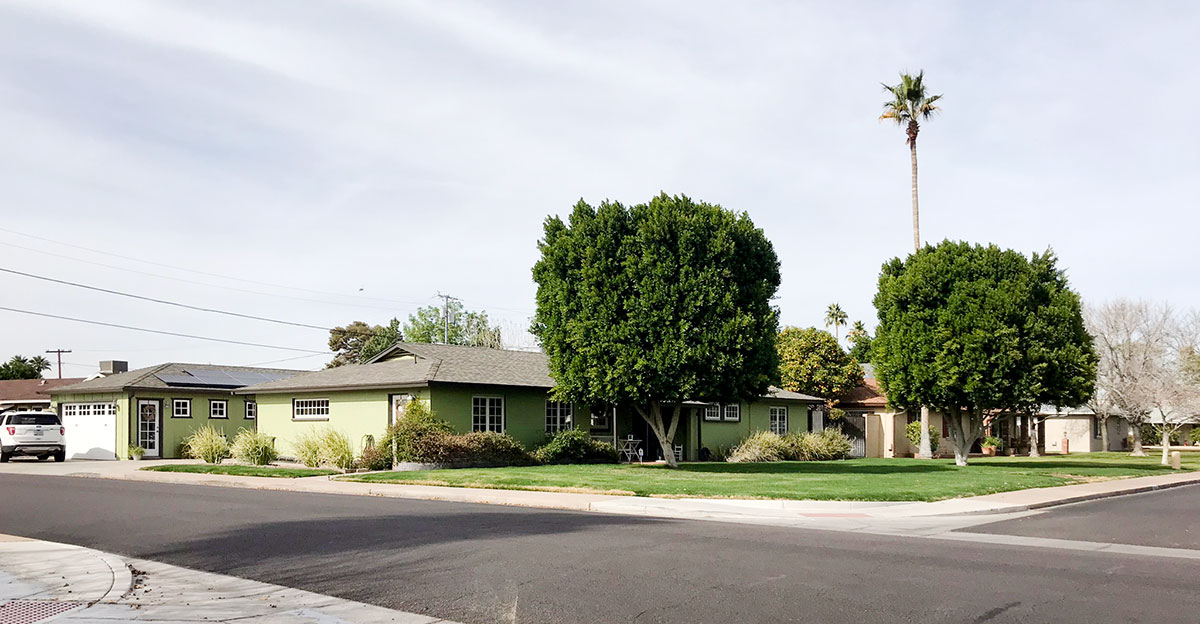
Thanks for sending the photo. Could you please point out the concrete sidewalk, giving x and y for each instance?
(51, 582)
(782, 512)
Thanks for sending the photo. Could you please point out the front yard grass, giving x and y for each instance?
(243, 471)
(855, 479)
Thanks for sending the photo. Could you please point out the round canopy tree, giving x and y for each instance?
(972, 330)
(656, 304)
(811, 361)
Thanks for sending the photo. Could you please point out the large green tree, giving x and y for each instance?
(811, 361)
(860, 342)
(358, 342)
(453, 325)
(971, 330)
(21, 367)
(656, 304)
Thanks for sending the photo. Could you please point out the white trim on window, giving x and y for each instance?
(218, 408)
(559, 416)
(779, 419)
(251, 410)
(712, 411)
(310, 409)
(732, 412)
(487, 414)
(181, 408)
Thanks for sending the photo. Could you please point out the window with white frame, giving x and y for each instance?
(310, 409)
(487, 414)
(181, 408)
(779, 420)
(602, 418)
(251, 410)
(558, 416)
(733, 412)
(218, 408)
(712, 412)
(88, 409)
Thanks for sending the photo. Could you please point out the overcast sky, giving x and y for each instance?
(371, 154)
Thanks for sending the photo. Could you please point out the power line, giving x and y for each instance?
(218, 275)
(159, 331)
(299, 357)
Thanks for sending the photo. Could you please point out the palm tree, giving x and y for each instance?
(858, 331)
(910, 104)
(834, 315)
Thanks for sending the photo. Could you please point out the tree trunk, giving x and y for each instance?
(1166, 444)
(1033, 437)
(912, 146)
(925, 450)
(1138, 451)
(665, 435)
(962, 437)
(1104, 434)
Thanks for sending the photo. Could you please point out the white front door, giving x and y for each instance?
(147, 427)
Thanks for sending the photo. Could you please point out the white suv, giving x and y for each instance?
(32, 433)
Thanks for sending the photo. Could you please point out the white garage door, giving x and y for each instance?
(91, 430)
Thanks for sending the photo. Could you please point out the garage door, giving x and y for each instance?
(91, 430)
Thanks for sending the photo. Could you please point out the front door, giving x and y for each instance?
(147, 427)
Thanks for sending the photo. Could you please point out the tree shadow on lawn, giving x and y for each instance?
(1053, 464)
(827, 467)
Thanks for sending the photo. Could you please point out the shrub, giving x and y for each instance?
(762, 446)
(830, 443)
(136, 451)
(254, 448)
(575, 446)
(1194, 436)
(1152, 436)
(208, 443)
(992, 441)
(913, 433)
(336, 449)
(307, 448)
(474, 449)
(373, 458)
(418, 421)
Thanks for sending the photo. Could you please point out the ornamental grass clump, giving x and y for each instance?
(307, 448)
(336, 449)
(208, 443)
(830, 443)
(254, 448)
(762, 446)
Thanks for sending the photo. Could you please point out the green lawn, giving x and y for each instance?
(243, 471)
(855, 479)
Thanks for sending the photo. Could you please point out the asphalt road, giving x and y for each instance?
(477, 563)
(1167, 518)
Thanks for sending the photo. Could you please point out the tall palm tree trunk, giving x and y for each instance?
(925, 451)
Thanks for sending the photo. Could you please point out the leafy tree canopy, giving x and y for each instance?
(811, 361)
(471, 328)
(970, 329)
(21, 367)
(657, 303)
(860, 342)
(358, 342)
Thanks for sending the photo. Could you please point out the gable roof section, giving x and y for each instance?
(866, 394)
(148, 378)
(15, 390)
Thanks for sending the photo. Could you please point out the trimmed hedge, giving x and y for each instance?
(471, 449)
(575, 446)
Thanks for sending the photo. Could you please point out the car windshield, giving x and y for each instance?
(33, 419)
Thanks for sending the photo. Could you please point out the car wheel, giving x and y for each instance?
(4, 457)
(60, 456)
(43, 457)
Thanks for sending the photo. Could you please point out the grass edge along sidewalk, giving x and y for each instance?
(869, 479)
(241, 470)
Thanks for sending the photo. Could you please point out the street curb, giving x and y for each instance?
(1082, 498)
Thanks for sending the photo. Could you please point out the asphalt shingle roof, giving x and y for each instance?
(146, 379)
(32, 389)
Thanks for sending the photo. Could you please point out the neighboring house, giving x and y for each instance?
(155, 407)
(884, 432)
(480, 389)
(29, 394)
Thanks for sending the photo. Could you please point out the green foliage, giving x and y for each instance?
(336, 449)
(575, 446)
(373, 458)
(428, 324)
(21, 367)
(912, 431)
(969, 328)
(992, 441)
(761, 446)
(418, 421)
(208, 443)
(471, 449)
(307, 448)
(662, 301)
(136, 451)
(358, 342)
(830, 443)
(910, 103)
(1152, 435)
(860, 343)
(1194, 435)
(812, 362)
(835, 316)
(254, 448)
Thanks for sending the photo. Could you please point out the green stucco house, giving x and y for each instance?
(155, 407)
(480, 389)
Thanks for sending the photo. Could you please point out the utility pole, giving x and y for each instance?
(446, 299)
(59, 352)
